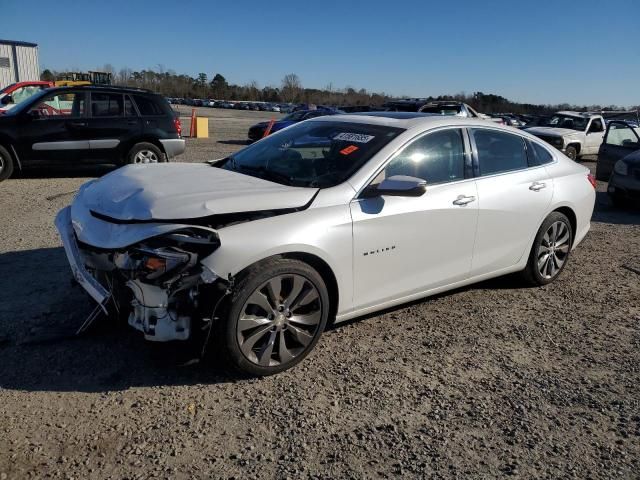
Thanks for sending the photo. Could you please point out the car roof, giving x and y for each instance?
(104, 88)
(410, 120)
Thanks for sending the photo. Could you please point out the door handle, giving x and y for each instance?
(462, 200)
(78, 124)
(537, 186)
(132, 122)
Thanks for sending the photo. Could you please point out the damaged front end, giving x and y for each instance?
(157, 283)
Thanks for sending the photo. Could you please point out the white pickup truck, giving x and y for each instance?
(576, 134)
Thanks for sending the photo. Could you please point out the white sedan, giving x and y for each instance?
(324, 221)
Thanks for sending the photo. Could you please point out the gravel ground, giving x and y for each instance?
(482, 382)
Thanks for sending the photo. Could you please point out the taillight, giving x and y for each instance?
(177, 125)
(592, 180)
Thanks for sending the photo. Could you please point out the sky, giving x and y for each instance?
(576, 51)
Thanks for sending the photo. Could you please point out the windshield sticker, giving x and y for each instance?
(348, 150)
(354, 137)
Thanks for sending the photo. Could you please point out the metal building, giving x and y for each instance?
(18, 62)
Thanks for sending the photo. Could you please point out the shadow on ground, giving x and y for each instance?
(234, 142)
(66, 171)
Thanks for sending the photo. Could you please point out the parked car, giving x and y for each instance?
(13, 94)
(256, 132)
(326, 221)
(576, 134)
(89, 124)
(458, 109)
(619, 162)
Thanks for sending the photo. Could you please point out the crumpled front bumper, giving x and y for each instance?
(78, 269)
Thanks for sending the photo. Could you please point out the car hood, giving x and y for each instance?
(174, 191)
(552, 131)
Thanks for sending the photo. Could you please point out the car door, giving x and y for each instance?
(619, 141)
(593, 137)
(112, 122)
(54, 129)
(407, 245)
(513, 196)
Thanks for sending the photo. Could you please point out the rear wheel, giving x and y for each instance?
(275, 318)
(571, 152)
(145, 152)
(550, 250)
(6, 164)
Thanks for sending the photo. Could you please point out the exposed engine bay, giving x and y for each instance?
(157, 284)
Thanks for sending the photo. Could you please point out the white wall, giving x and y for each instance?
(28, 67)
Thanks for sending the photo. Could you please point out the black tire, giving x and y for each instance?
(149, 150)
(571, 152)
(532, 274)
(6, 164)
(252, 281)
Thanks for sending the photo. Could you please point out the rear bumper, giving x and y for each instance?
(173, 146)
(80, 273)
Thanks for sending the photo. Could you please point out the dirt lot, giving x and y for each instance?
(486, 381)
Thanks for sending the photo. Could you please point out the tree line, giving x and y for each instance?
(172, 84)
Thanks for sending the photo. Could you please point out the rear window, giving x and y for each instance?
(148, 106)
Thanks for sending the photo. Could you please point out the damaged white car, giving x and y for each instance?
(329, 219)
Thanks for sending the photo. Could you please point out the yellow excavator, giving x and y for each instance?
(74, 79)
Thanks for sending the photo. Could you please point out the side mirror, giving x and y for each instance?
(34, 114)
(397, 186)
(6, 100)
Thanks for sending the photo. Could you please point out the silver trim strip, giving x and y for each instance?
(64, 145)
(106, 143)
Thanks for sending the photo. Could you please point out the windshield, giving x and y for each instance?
(316, 154)
(566, 121)
(295, 116)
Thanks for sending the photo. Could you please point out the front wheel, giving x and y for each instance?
(571, 152)
(550, 250)
(275, 318)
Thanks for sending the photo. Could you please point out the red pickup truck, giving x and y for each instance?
(13, 94)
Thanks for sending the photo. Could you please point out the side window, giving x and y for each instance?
(499, 152)
(596, 126)
(621, 135)
(538, 155)
(106, 104)
(437, 158)
(146, 106)
(55, 105)
(129, 111)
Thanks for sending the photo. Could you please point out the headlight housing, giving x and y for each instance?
(621, 168)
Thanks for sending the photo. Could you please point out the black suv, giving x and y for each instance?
(89, 124)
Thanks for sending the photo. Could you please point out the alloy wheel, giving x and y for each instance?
(279, 320)
(553, 250)
(1, 163)
(145, 156)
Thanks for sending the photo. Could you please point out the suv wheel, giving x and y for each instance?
(275, 317)
(145, 153)
(6, 164)
(571, 152)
